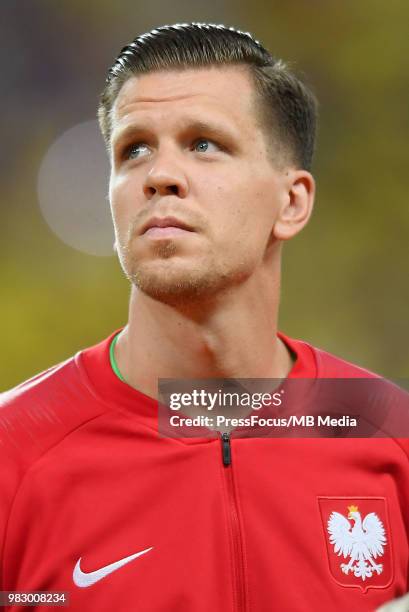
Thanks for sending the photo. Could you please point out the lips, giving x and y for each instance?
(166, 222)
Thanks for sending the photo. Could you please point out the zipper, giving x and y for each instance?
(236, 534)
(226, 449)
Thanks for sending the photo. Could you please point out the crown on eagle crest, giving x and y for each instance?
(352, 508)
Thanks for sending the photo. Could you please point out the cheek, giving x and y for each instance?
(124, 204)
(243, 213)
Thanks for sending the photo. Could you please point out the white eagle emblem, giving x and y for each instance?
(363, 543)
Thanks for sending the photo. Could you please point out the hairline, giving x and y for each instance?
(284, 157)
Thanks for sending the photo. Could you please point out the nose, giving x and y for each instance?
(165, 178)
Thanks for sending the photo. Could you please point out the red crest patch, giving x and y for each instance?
(358, 541)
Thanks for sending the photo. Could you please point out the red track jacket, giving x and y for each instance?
(94, 503)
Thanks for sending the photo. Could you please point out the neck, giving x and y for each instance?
(231, 336)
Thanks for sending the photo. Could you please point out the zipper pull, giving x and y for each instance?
(226, 450)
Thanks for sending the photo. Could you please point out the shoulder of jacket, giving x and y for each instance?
(38, 413)
(332, 366)
(382, 391)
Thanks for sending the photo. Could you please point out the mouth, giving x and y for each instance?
(165, 227)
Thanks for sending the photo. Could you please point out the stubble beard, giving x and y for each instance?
(169, 282)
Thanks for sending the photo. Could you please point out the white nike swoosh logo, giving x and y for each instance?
(86, 579)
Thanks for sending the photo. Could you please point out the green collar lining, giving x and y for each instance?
(114, 364)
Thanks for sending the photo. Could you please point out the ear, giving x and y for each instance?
(297, 204)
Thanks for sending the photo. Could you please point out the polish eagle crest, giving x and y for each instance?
(363, 541)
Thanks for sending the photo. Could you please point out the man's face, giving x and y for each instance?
(188, 144)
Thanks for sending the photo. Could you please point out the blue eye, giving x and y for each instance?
(202, 145)
(134, 150)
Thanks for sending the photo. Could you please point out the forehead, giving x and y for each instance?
(226, 91)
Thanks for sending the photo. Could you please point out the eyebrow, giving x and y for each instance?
(196, 125)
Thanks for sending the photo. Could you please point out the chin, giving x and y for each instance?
(174, 284)
(169, 284)
(175, 279)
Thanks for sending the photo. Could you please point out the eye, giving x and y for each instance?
(204, 145)
(137, 150)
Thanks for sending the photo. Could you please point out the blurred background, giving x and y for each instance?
(345, 278)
